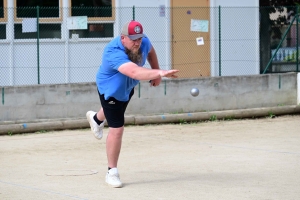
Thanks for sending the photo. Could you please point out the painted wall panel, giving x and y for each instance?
(5, 67)
(235, 37)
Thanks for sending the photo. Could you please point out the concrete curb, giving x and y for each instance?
(61, 124)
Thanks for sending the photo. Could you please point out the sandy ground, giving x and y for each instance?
(240, 159)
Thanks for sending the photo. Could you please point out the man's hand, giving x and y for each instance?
(155, 82)
(168, 73)
(164, 73)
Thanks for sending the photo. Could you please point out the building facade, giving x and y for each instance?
(61, 41)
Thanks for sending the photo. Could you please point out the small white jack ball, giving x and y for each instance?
(194, 92)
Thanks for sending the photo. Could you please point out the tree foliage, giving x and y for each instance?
(272, 27)
(277, 3)
(275, 6)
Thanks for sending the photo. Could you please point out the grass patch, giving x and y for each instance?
(213, 118)
(271, 115)
(228, 118)
(41, 131)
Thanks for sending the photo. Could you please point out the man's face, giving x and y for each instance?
(132, 49)
(132, 45)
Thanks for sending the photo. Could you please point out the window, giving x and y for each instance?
(50, 16)
(95, 10)
(2, 31)
(48, 10)
(3, 11)
(46, 31)
(95, 31)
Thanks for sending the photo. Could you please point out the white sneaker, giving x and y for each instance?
(113, 178)
(96, 129)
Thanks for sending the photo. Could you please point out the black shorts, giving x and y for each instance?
(114, 110)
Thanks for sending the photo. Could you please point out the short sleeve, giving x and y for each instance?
(148, 44)
(117, 58)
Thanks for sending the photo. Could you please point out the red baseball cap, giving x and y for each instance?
(133, 29)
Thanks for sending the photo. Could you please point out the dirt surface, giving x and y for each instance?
(240, 159)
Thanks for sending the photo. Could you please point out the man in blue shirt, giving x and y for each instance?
(120, 71)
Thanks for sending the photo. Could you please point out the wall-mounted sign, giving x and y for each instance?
(79, 22)
(162, 10)
(200, 41)
(199, 25)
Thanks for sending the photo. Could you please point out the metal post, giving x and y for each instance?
(297, 37)
(220, 74)
(38, 41)
(2, 96)
(133, 18)
(279, 82)
(165, 87)
(133, 13)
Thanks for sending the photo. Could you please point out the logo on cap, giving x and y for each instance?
(137, 29)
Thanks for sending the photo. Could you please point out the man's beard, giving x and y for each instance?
(134, 57)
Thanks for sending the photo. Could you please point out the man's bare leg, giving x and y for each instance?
(113, 145)
(113, 148)
(100, 115)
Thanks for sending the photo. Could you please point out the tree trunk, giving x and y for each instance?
(265, 39)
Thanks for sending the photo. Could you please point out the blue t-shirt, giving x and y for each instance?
(109, 80)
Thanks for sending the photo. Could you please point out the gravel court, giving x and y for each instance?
(238, 159)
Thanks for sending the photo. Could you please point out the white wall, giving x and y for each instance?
(5, 64)
(156, 27)
(216, 94)
(60, 60)
(239, 37)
